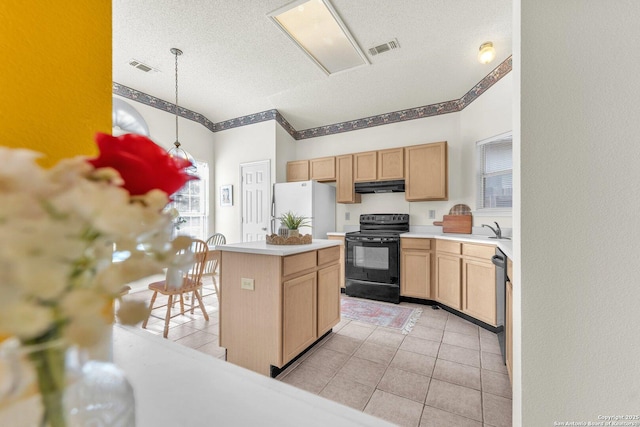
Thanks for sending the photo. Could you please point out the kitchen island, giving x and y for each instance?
(276, 301)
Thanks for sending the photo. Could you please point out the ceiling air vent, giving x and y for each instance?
(385, 47)
(140, 66)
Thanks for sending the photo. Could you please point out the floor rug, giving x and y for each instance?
(380, 314)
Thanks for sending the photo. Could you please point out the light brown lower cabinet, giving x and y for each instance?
(466, 279)
(299, 317)
(508, 320)
(448, 279)
(328, 299)
(293, 301)
(416, 267)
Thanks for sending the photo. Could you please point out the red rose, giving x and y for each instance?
(143, 165)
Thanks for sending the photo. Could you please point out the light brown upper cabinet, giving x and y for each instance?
(391, 164)
(426, 174)
(365, 166)
(344, 180)
(298, 170)
(381, 165)
(323, 169)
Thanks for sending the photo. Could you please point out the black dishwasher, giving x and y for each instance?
(500, 261)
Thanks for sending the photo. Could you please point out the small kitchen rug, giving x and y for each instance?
(380, 314)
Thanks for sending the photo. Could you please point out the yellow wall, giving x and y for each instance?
(55, 75)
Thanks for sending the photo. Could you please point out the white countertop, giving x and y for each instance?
(261, 247)
(179, 386)
(505, 245)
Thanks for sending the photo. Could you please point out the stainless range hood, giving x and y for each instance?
(396, 186)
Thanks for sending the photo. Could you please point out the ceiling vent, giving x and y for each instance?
(140, 66)
(385, 47)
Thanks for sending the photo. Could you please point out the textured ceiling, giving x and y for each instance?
(237, 62)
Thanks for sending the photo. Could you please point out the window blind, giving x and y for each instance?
(495, 183)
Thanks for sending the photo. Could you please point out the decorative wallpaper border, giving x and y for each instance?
(161, 104)
(382, 119)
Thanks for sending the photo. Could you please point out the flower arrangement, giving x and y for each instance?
(59, 228)
(293, 221)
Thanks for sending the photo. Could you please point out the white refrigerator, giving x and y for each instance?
(308, 198)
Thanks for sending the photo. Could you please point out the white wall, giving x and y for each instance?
(489, 115)
(285, 152)
(232, 147)
(580, 234)
(195, 138)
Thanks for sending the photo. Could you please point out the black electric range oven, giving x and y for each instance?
(372, 257)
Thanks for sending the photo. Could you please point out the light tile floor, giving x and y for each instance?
(445, 372)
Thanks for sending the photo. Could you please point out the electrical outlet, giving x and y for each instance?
(347, 216)
(432, 214)
(247, 284)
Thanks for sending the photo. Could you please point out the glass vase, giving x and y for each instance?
(53, 385)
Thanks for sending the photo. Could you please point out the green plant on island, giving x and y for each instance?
(293, 221)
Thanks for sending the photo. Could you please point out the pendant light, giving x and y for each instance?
(177, 151)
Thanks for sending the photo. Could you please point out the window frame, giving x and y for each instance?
(203, 195)
(481, 210)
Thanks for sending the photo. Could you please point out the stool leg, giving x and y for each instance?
(167, 317)
(153, 299)
(206, 316)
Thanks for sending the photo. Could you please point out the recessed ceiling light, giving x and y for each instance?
(314, 25)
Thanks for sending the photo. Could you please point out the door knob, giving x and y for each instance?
(264, 228)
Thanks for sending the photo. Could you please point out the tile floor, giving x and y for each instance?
(445, 372)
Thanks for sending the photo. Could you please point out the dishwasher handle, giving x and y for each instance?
(498, 261)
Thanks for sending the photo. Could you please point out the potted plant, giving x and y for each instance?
(293, 222)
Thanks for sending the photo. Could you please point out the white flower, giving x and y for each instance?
(25, 320)
(59, 228)
(85, 331)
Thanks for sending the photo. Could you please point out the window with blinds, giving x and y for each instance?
(495, 165)
(192, 204)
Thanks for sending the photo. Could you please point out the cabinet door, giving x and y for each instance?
(323, 169)
(391, 164)
(298, 171)
(365, 166)
(415, 274)
(479, 290)
(341, 262)
(448, 280)
(328, 298)
(426, 172)
(344, 180)
(299, 321)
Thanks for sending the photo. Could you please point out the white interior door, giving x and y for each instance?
(256, 200)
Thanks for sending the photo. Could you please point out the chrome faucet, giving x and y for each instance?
(497, 231)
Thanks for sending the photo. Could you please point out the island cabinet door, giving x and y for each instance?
(328, 298)
(299, 315)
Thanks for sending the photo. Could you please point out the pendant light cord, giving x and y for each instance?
(177, 142)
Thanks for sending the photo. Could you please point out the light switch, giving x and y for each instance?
(347, 216)
(432, 214)
(247, 284)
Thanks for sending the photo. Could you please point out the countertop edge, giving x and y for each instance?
(262, 248)
(505, 246)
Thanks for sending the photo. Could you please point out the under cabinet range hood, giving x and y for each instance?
(396, 186)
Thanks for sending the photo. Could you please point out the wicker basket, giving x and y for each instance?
(274, 239)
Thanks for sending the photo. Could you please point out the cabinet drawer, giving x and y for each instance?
(413, 243)
(325, 256)
(296, 263)
(448, 246)
(478, 251)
